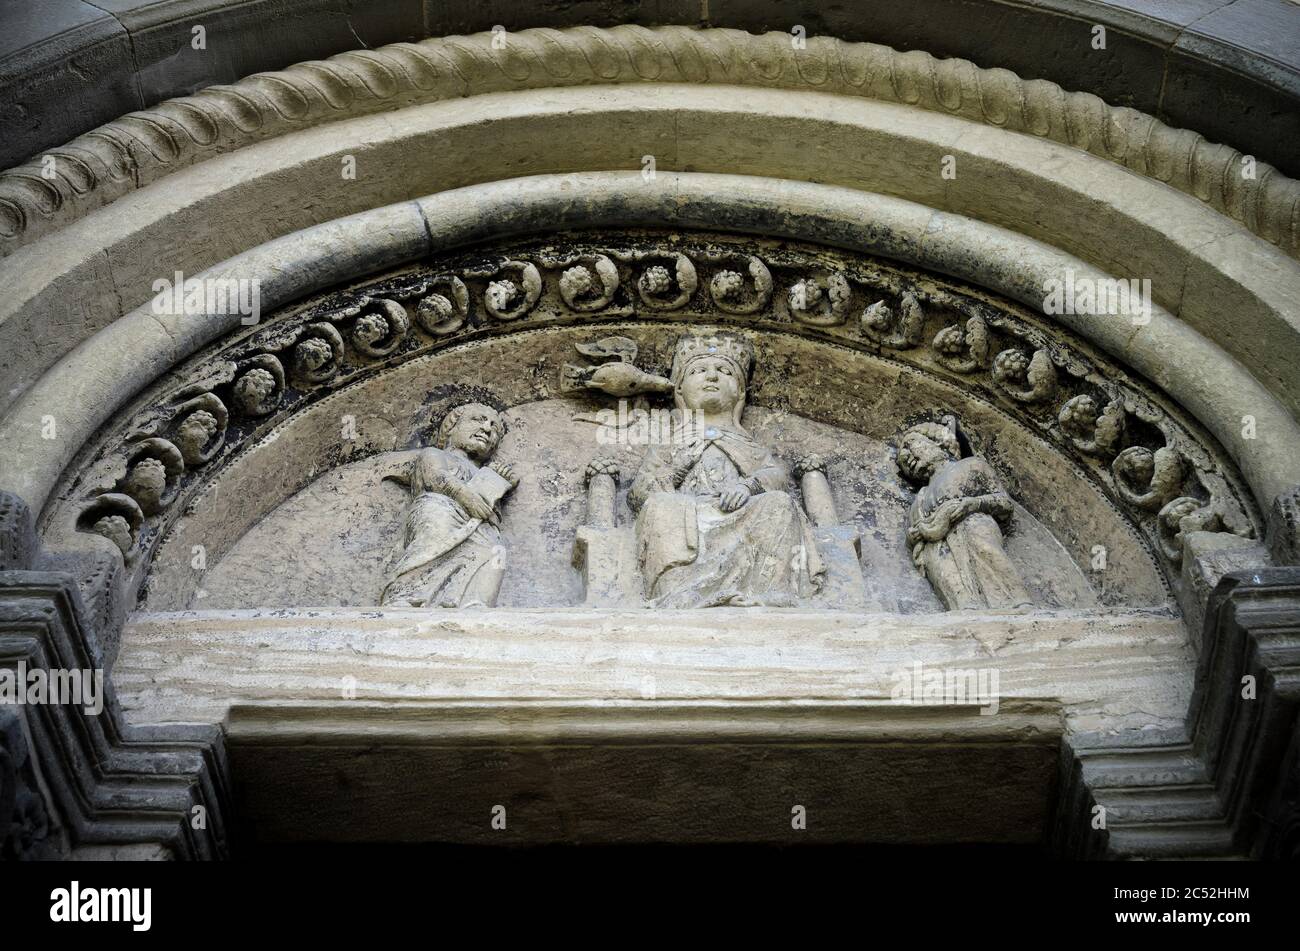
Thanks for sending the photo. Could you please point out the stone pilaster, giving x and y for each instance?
(73, 777)
(1229, 785)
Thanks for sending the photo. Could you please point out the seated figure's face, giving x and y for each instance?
(477, 432)
(710, 385)
(919, 457)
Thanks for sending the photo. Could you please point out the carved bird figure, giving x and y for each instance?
(615, 375)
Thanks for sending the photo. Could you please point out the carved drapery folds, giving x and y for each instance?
(452, 555)
(1152, 463)
(958, 521)
(714, 519)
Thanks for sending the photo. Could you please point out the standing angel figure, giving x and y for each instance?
(956, 522)
(716, 523)
(453, 556)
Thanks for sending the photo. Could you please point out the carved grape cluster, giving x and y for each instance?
(260, 387)
(656, 280)
(1092, 432)
(381, 328)
(662, 289)
(734, 293)
(1024, 378)
(820, 302)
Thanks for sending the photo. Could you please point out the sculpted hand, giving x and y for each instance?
(733, 497)
(505, 471)
(936, 526)
(475, 505)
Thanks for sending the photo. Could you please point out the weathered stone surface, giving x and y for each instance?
(452, 555)
(1252, 49)
(344, 529)
(17, 534)
(448, 571)
(1107, 671)
(43, 102)
(93, 379)
(1031, 387)
(1243, 711)
(1283, 538)
(29, 830)
(1219, 392)
(957, 522)
(649, 773)
(87, 778)
(246, 38)
(716, 519)
(1207, 557)
(348, 520)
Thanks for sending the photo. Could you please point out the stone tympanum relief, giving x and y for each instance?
(452, 554)
(568, 531)
(850, 353)
(956, 524)
(716, 521)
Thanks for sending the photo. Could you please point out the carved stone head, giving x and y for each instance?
(925, 447)
(474, 429)
(710, 374)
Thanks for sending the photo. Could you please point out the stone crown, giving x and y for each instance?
(732, 349)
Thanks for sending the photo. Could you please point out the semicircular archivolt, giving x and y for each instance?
(1148, 459)
(90, 171)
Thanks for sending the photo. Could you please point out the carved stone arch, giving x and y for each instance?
(771, 308)
(1162, 350)
(384, 305)
(266, 463)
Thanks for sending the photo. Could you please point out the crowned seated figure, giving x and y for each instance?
(716, 523)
